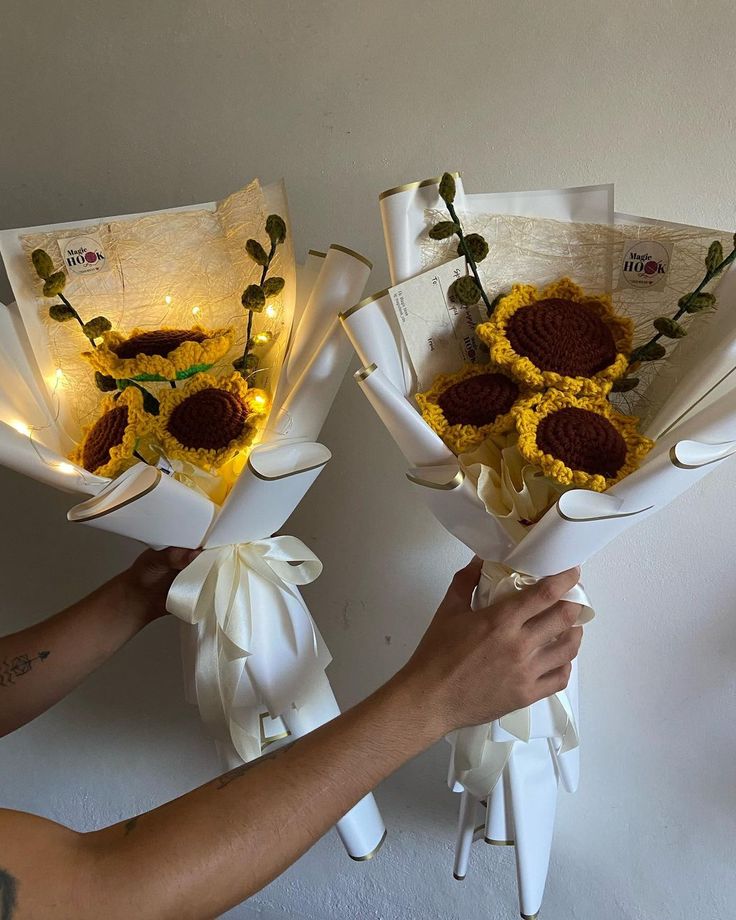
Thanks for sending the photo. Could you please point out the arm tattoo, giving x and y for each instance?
(8, 895)
(228, 778)
(13, 668)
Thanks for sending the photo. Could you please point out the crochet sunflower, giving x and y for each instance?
(579, 441)
(559, 337)
(159, 354)
(107, 445)
(209, 420)
(466, 407)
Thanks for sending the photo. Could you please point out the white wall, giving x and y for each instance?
(111, 107)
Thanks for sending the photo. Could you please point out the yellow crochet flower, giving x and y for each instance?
(466, 407)
(209, 420)
(159, 354)
(559, 337)
(579, 441)
(107, 445)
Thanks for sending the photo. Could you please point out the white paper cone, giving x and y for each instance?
(372, 329)
(587, 204)
(21, 451)
(306, 277)
(414, 438)
(339, 284)
(146, 505)
(568, 763)
(453, 500)
(465, 832)
(273, 482)
(533, 786)
(361, 830)
(499, 830)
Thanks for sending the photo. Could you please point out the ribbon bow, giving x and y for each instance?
(481, 752)
(255, 636)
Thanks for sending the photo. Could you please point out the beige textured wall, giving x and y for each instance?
(111, 107)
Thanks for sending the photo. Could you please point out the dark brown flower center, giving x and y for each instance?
(156, 342)
(106, 433)
(478, 400)
(583, 440)
(209, 419)
(562, 336)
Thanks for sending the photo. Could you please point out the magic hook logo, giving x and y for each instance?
(645, 264)
(82, 254)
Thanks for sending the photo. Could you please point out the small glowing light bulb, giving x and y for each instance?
(59, 373)
(270, 311)
(260, 400)
(65, 468)
(196, 311)
(22, 428)
(167, 299)
(262, 337)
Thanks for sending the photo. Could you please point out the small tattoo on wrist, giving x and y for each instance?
(18, 666)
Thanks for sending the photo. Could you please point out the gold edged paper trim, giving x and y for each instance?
(458, 878)
(529, 916)
(675, 461)
(499, 843)
(266, 740)
(128, 501)
(353, 253)
(365, 372)
(602, 517)
(457, 480)
(373, 852)
(306, 469)
(362, 303)
(423, 183)
(316, 252)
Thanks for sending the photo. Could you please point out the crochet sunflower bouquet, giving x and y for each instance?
(176, 368)
(553, 372)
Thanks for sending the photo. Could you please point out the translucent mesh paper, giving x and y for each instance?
(163, 269)
(538, 251)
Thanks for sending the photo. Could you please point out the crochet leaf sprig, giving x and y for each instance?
(54, 282)
(255, 296)
(466, 290)
(670, 327)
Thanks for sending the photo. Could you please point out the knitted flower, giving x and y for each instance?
(559, 337)
(580, 441)
(107, 445)
(208, 420)
(159, 354)
(466, 407)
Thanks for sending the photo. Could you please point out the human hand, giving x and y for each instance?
(474, 666)
(146, 583)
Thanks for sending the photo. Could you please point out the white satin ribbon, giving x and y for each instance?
(480, 752)
(244, 600)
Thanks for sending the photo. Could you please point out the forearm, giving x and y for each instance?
(41, 664)
(206, 851)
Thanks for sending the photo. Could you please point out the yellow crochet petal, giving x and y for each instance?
(110, 459)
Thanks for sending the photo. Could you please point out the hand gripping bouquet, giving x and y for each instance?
(176, 368)
(553, 372)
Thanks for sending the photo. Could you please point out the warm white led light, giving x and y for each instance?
(65, 468)
(22, 428)
(196, 311)
(167, 299)
(270, 311)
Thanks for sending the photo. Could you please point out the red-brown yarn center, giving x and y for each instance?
(209, 419)
(106, 433)
(156, 342)
(583, 440)
(478, 400)
(563, 336)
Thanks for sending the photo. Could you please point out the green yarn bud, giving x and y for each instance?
(625, 385)
(54, 284)
(61, 313)
(714, 257)
(42, 263)
(669, 327)
(447, 188)
(653, 351)
(239, 363)
(105, 383)
(256, 252)
(464, 291)
(443, 230)
(477, 247)
(276, 229)
(695, 303)
(96, 327)
(253, 298)
(273, 286)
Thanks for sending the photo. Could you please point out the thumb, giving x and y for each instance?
(460, 593)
